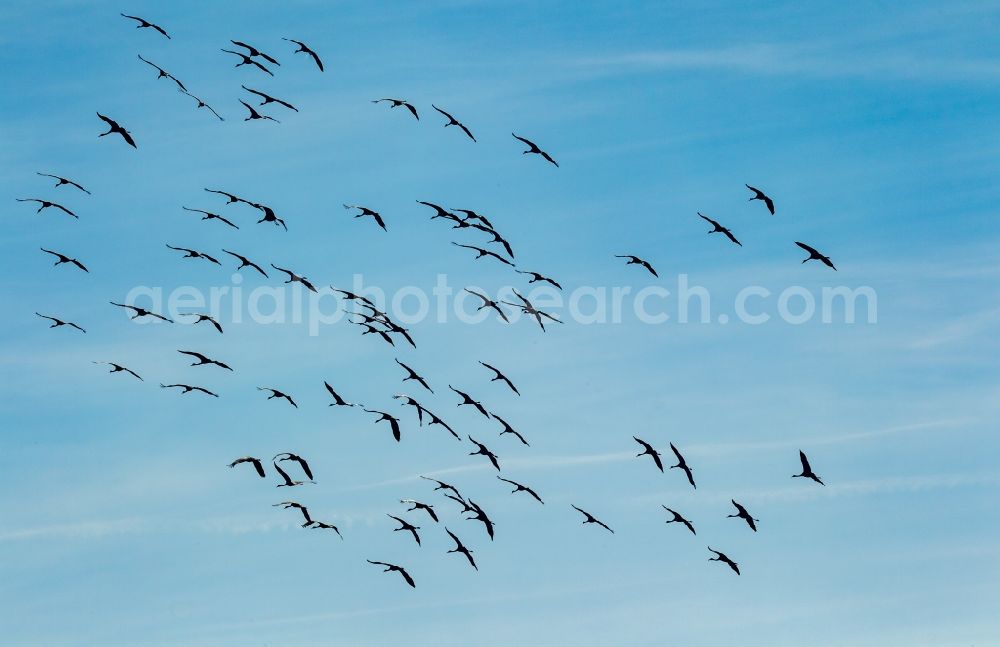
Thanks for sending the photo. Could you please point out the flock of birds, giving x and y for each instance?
(375, 321)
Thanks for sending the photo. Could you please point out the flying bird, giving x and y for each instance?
(400, 102)
(324, 526)
(412, 375)
(813, 254)
(202, 104)
(392, 420)
(163, 74)
(269, 99)
(406, 525)
(522, 488)
(208, 215)
(145, 23)
(488, 303)
(482, 450)
(592, 519)
(533, 148)
(441, 485)
(46, 204)
(466, 399)
(472, 215)
(256, 115)
(720, 229)
(248, 61)
(498, 376)
(275, 393)
(507, 429)
(437, 421)
(759, 195)
(682, 464)
(202, 317)
(496, 238)
(480, 515)
(677, 518)
(807, 471)
(118, 368)
(454, 122)
(721, 557)
(113, 127)
(304, 48)
(529, 309)
(190, 253)
(417, 505)
(648, 449)
(230, 197)
(254, 52)
(365, 211)
(480, 253)
(187, 388)
(288, 456)
(741, 513)
(337, 400)
(440, 212)
(535, 277)
(65, 259)
(286, 505)
(202, 360)
(140, 312)
(460, 548)
(399, 569)
(257, 465)
(295, 278)
(289, 482)
(61, 181)
(245, 262)
(269, 215)
(635, 260)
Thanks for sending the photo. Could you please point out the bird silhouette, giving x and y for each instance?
(407, 526)
(678, 519)
(507, 429)
(372, 330)
(480, 253)
(230, 197)
(759, 195)
(417, 505)
(118, 368)
(454, 122)
(635, 260)
(721, 557)
(720, 229)
(460, 548)
(269, 215)
(438, 421)
(257, 465)
(535, 277)
(440, 212)
(322, 525)
(287, 505)
(741, 513)
(441, 485)
(400, 102)
(682, 464)
(462, 502)
(496, 238)
(482, 450)
(337, 400)
(47, 204)
(275, 393)
(208, 215)
(162, 73)
(304, 48)
(143, 23)
(295, 278)
(141, 312)
(269, 99)
(472, 215)
(202, 104)
(533, 148)
(392, 420)
(365, 211)
(480, 515)
(256, 115)
(288, 480)
(190, 253)
(488, 303)
(529, 309)
(245, 262)
(412, 375)
(498, 376)
(187, 388)
(518, 487)
(648, 449)
(246, 60)
(56, 322)
(64, 259)
(253, 52)
(466, 399)
(204, 317)
(813, 254)
(288, 456)
(113, 127)
(393, 567)
(60, 181)
(592, 519)
(202, 360)
(807, 471)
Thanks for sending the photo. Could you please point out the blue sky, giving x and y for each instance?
(873, 127)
